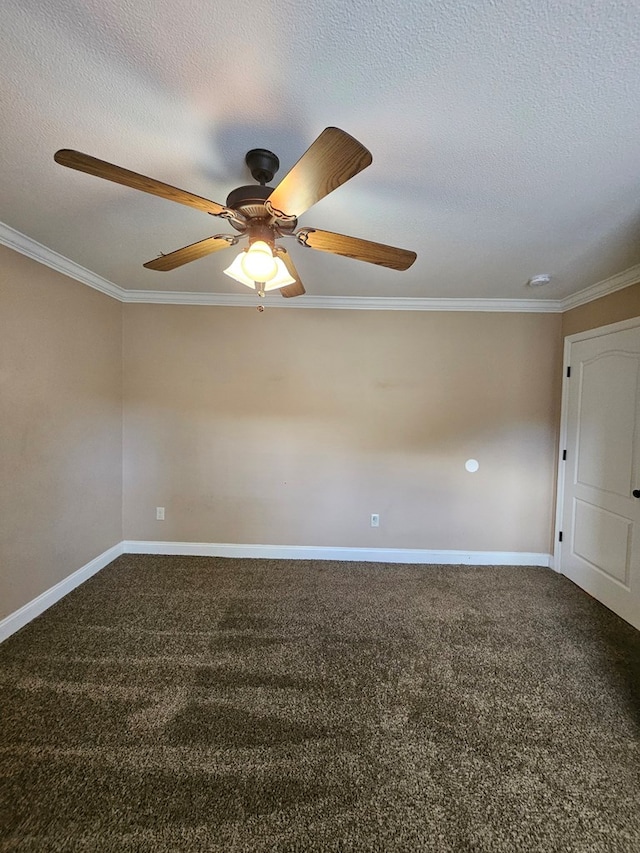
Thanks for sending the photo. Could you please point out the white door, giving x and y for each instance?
(600, 524)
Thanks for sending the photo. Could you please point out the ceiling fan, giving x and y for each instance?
(264, 214)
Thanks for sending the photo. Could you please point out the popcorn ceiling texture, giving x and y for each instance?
(505, 135)
(245, 706)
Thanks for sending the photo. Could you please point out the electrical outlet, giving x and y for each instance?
(375, 519)
(159, 513)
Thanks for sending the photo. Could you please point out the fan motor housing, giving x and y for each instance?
(250, 201)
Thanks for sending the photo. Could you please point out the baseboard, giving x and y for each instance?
(14, 621)
(370, 555)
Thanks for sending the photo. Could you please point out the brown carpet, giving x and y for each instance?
(203, 704)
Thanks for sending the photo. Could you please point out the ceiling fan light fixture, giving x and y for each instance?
(258, 262)
(280, 278)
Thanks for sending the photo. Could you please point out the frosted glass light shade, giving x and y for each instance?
(235, 271)
(258, 262)
(280, 279)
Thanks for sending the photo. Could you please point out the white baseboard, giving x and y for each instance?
(370, 555)
(14, 621)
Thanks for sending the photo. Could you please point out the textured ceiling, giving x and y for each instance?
(505, 135)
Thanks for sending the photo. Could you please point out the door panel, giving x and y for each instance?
(602, 539)
(600, 550)
(606, 422)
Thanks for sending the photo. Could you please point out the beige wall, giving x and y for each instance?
(621, 305)
(287, 427)
(60, 427)
(292, 426)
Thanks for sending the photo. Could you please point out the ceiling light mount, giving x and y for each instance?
(539, 280)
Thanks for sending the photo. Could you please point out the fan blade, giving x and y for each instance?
(329, 162)
(190, 253)
(359, 250)
(297, 288)
(102, 169)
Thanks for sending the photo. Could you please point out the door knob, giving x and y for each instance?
(636, 493)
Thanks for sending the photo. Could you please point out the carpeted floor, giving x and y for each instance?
(202, 704)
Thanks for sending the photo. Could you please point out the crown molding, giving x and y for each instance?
(32, 249)
(38, 252)
(603, 288)
(361, 303)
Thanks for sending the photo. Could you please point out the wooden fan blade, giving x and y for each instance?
(102, 169)
(297, 288)
(329, 162)
(190, 253)
(353, 247)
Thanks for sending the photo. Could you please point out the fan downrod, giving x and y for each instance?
(263, 164)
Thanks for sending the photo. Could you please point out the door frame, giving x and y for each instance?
(598, 332)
